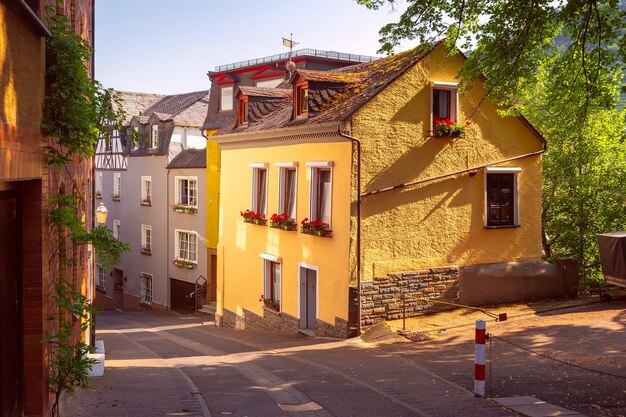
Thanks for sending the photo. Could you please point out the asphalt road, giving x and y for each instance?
(574, 358)
(170, 364)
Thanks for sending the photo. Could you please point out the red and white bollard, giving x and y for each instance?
(479, 363)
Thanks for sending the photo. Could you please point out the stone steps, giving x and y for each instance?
(208, 308)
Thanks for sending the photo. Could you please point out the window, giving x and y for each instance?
(287, 189)
(154, 136)
(444, 102)
(226, 98)
(101, 279)
(117, 186)
(501, 197)
(146, 238)
(321, 191)
(145, 288)
(301, 104)
(146, 191)
(271, 280)
(242, 111)
(98, 184)
(133, 137)
(187, 191)
(187, 245)
(273, 83)
(259, 188)
(117, 229)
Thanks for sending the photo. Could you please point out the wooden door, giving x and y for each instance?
(11, 345)
(308, 298)
(118, 294)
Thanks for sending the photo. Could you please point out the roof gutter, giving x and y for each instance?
(451, 174)
(32, 17)
(277, 133)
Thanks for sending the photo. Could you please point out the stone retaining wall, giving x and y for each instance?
(280, 322)
(381, 299)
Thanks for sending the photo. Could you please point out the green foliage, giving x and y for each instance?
(75, 106)
(76, 110)
(69, 365)
(510, 38)
(584, 185)
(63, 215)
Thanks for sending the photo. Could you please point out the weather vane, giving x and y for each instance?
(289, 43)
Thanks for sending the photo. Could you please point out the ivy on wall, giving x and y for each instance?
(76, 110)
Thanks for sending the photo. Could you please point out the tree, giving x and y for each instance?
(509, 39)
(584, 181)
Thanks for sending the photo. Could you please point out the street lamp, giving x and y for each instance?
(101, 214)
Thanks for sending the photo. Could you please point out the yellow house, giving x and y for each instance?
(391, 187)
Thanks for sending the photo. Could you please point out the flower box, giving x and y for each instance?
(315, 228)
(115, 197)
(318, 233)
(251, 217)
(446, 128)
(260, 222)
(184, 263)
(270, 304)
(283, 222)
(287, 227)
(146, 250)
(98, 195)
(145, 203)
(181, 208)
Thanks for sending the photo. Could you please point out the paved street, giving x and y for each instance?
(574, 358)
(170, 364)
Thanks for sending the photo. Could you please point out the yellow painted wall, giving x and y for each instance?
(212, 191)
(240, 269)
(439, 223)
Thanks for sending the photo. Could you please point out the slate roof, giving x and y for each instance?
(170, 107)
(333, 95)
(187, 109)
(134, 103)
(189, 158)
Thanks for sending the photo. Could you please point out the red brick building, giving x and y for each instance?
(28, 252)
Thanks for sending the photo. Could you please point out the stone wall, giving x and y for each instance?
(381, 299)
(279, 322)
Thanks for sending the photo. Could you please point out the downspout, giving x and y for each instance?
(167, 237)
(357, 142)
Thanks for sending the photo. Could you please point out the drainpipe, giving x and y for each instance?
(357, 142)
(167, 239)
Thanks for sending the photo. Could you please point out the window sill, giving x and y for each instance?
(318, 233)
(185, 209)
(144, 203)
(272, 310)
(98, 197)
(116, 199)
(101, 290)
(146, 252)
(146, 305)
(512, 226)
(186, 266)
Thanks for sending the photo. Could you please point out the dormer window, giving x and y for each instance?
(301, 99)
(242, 111)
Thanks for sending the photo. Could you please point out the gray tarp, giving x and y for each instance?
(613, 257)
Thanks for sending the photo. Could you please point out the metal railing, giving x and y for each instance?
(199, 293)
(300, 52)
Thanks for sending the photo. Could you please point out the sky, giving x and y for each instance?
(168, 46)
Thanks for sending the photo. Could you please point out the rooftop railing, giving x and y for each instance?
(300, 52)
